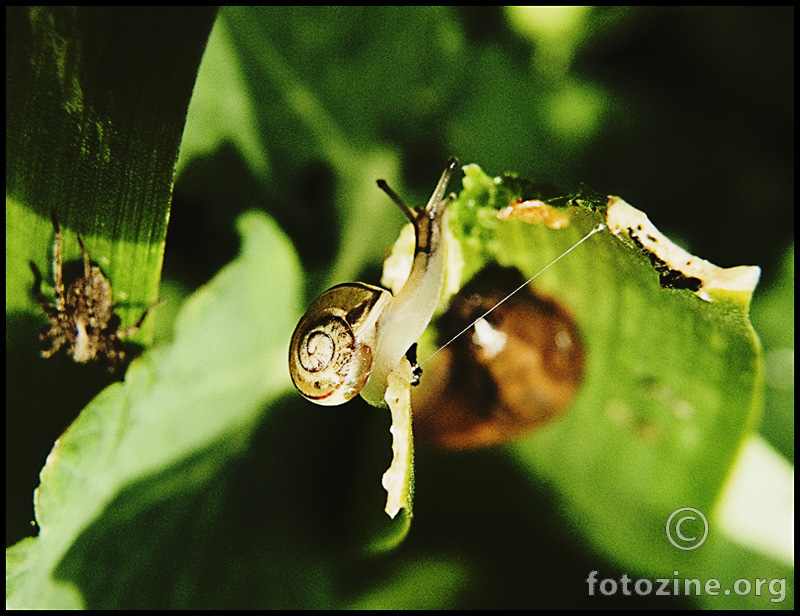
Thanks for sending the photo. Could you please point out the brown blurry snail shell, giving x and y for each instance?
(517, 369)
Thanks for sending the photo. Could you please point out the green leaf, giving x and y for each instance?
(96, 104)
(96, 100)
(771, 307)
(672, 382)
(446, 579)
(182, 414)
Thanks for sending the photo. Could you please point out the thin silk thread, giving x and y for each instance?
(598, 228)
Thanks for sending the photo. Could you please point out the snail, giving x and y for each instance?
(355, 334)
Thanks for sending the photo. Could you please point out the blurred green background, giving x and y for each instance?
(685, 113)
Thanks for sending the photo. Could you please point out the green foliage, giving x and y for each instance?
(137, 442)
(93, 134)
(202, 480)
(776, 331)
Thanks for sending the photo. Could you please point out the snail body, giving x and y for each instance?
(355, 334)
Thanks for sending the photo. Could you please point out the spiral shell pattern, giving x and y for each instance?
(331, 354)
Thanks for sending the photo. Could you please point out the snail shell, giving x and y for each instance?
(521, 367)
(331, 353)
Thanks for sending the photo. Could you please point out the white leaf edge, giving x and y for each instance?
(737, 283)
(398, 480)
